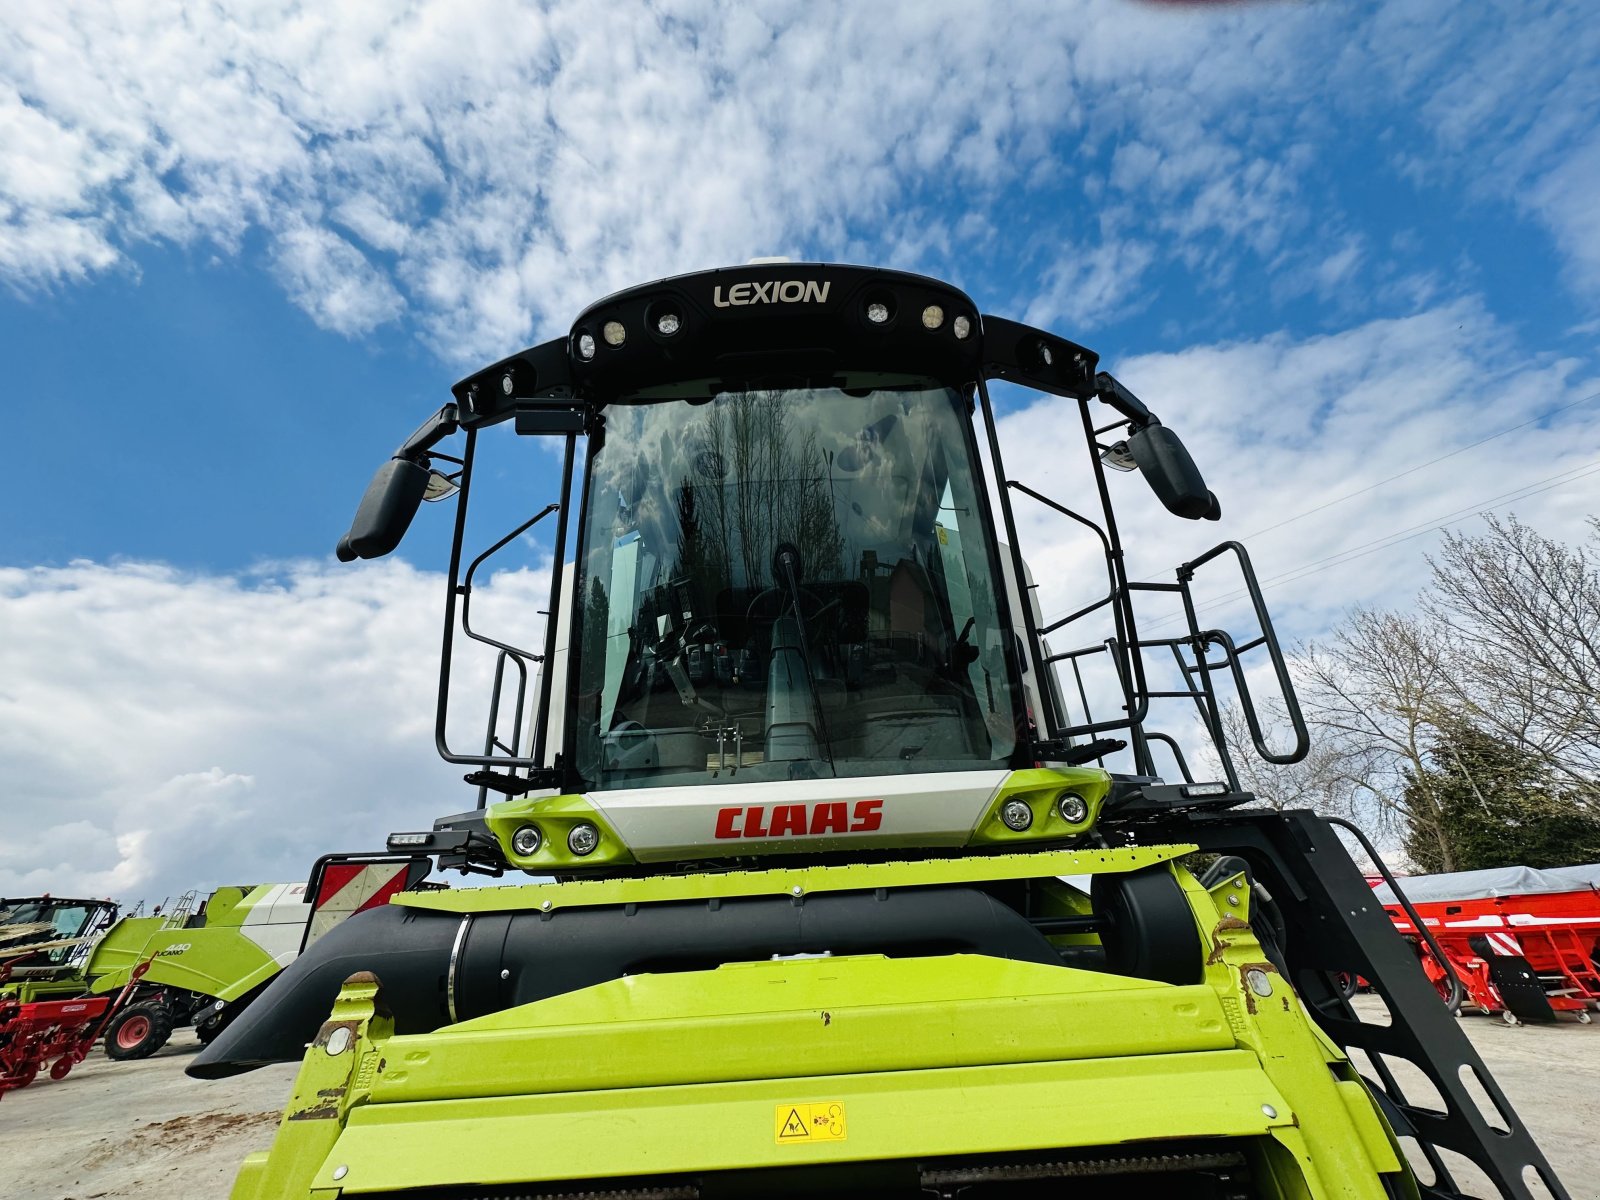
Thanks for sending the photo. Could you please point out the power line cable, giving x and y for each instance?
(1396, 537)
(1420, 466)
(1402, 474)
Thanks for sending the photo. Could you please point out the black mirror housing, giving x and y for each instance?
(391, 500)
(1165, 463)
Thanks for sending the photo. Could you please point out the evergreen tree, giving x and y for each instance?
(1497, 806)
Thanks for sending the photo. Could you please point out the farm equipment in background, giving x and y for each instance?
(1524, 943)
(47, 940)
(208, 961)
(59, 1032)
(796, 761)
(200, 963)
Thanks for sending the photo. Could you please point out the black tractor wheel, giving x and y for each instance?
(138, 1031)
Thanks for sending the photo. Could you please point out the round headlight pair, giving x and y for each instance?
(1017, 815)
(582, 839)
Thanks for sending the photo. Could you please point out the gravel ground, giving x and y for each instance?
(145, 1130)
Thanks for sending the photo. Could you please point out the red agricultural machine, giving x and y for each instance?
(58, 1032)
(1525, 944)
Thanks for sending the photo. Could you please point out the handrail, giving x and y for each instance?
(490, 741)
(1177, 752)
(1269, 637)
(465, 587)
(1457, 991)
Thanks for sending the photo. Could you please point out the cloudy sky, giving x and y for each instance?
(1351, 252)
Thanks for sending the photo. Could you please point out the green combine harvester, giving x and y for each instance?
(856, 886)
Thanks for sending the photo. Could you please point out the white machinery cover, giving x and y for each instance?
(1490, 883)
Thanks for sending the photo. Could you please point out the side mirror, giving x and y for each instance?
(391, 500)
(1171, 473)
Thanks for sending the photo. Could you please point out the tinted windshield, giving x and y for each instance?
(787, 584)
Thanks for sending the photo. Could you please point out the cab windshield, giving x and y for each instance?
(788, 584)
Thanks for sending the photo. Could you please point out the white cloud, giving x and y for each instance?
(487, 167)
(333, 281)
(1283, 427)
(163, 730)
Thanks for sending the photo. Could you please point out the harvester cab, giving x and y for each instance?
(815, 800)
(47, 939)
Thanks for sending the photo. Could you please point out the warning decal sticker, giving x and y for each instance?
(821, 1122)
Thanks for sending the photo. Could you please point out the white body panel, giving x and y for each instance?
(277, 921)
(661, 824)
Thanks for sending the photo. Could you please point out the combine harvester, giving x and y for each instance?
(1525, 944)
(809, 797)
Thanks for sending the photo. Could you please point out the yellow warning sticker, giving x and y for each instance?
(821, 1122)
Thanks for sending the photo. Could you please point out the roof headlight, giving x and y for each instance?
(614, 333)
(507, 384)
(932, 317)
(878, 312)
(527, 840)
(1016, 815)
(961, 327)
(586, 346)
(668, 323)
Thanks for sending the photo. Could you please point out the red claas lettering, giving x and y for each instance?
(798, 820)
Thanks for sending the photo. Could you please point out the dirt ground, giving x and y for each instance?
(119, 1130)
(145, 1130)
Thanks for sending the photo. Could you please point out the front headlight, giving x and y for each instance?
(1016, 815)
(527, 840)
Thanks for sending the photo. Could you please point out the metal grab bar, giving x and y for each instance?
(1269, 638)
(1457, 990)
(490, 741)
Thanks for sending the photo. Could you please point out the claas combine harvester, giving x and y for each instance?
(843, 897)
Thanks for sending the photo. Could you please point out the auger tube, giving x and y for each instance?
(548, 954)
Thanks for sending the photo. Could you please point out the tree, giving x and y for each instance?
(1521, 614)
(1498, 805)
(1321, 781)
(1503, 652)
(1371, 694)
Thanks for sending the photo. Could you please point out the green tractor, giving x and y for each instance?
(207, 960)
(848, 882)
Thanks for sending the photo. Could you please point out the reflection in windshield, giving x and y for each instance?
(787, 585)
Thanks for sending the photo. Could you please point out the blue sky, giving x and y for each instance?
(244, 250)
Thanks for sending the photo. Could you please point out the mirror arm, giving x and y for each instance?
(1111, 391)
(429, 434)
